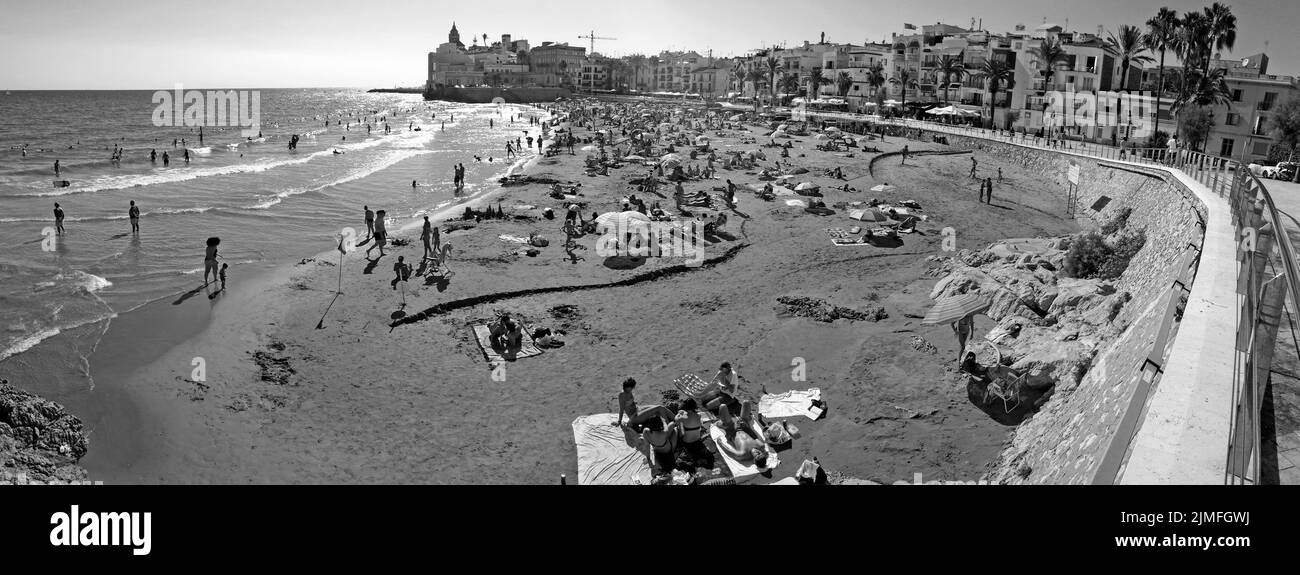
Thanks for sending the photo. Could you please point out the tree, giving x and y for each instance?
(1050, 54)
(1194, 125)
(903, 79)
(1191, 42)
(1162, 29)
(842, 83)
(996, 73)
(816, 80)
(789, 84)
(1285, 127)
(1128, 45)
(876, 79)
(757, 76)
(1222, 26)
(774, 68)
(951, 68)
(738, 76)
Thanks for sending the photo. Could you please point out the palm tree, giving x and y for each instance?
(789, 84)
(951, 68)
(774, 66)
(1130, 48)
(1161, 32)
(903, 79)
(1050, 54)
(842, 83)
(876, 79)
(816, 80)
(1222, 25)
(996, 73)
(1191, 41)
(758, 76)
(485, 40)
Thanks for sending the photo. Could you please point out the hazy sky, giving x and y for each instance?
(128, 44)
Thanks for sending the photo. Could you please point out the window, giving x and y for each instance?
(1233, 119)
(1225, 149)
(1259, 129)
(1236, 95)
(1260, 149)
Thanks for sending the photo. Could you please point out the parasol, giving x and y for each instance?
(953, 308)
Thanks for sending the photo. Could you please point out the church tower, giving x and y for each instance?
(453, 37)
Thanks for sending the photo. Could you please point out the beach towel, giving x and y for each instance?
(604, 456)
(790, 404)
(527, 348)
(692, 386)
(796, 203)
(510, 238)
(837, 233)
(848, 242)
(737, 468)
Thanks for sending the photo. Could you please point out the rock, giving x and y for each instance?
(39, 440)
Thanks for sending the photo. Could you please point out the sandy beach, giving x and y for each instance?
(360, 401)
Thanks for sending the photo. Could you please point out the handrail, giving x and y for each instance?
(1226, 178)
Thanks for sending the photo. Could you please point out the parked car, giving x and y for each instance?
(1287, 170)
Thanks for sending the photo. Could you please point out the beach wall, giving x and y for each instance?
(487, 95)
(1065, 442)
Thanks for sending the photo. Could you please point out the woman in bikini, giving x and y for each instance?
(663, 448)
(638, 417)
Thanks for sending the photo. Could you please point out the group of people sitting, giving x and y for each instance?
(675, 434)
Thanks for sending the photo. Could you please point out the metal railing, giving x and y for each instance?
(1268, 276)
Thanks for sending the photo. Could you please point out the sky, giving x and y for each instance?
(130, 44)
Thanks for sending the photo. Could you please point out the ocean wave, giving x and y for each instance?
(29, 341)
(157, 212)
(386, 161)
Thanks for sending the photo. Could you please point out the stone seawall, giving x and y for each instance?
(487, 95)
(1065, 442)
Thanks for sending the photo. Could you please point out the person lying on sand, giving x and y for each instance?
(742, 447)
(636, 418)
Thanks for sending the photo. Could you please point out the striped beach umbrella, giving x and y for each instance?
(953, 308)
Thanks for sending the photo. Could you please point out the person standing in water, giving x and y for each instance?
(187, 155)
(166, 160)
(58, 219)
(210, 260)
(56, 168)
(370, 222)
(134, 214)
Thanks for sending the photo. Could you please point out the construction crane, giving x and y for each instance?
(593, 37)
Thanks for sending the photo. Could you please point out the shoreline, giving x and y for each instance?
(358, 401)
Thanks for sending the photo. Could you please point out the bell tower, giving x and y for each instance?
(453, 37)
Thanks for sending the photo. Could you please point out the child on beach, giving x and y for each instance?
(224, 267)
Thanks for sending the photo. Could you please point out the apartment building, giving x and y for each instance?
(1242, 127)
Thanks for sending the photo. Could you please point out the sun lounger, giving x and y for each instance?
(790, 404)
(737, 468)
(527, 348)
(604, 455)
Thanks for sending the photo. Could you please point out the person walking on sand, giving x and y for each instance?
(224, 267)
(381, 234)
(370, 222)
(401, 270)
(988, 183)
(973, 165)
(134, 215)
(426, 236)
(964, 329)
(905, 154)
(999, 175)
(58, 219)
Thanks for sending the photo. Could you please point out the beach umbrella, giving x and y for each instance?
(736, 118)
(883, 188)
(670, 160)
(832, 129)
(822, 137)
(892, 102)
(953, 308)
(806, 186)
(622, 220)
(868, 215)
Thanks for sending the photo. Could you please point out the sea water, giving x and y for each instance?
(269, 205)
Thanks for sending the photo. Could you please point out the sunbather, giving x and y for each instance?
(742, 447)
(636, 418)
(663, 448)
